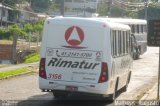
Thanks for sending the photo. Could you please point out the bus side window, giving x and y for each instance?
(119, 43)
(116, 44)
(137, 28)
(127, 42)
(124, 43)
(112, 42)
(141, 28)
(133, 29)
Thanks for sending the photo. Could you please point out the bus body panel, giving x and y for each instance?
(69, 64)
(82, 87)
(74, 50)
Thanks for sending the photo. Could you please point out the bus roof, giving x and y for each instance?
(87, 22)
(124, 20)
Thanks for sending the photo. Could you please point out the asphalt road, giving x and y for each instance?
(24, 89)
(144, 75)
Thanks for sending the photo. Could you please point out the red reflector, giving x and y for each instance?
(104, 73)
(103, 78)
(42, 71)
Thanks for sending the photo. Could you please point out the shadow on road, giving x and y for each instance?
(74, 100)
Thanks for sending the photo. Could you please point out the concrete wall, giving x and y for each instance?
(5, 52)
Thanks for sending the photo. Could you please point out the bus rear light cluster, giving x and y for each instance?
(42, 71)
(104, 73)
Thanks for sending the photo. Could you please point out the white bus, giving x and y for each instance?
(138, 32)
(86, 56)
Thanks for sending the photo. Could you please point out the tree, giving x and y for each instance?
(153, 12)
(40, 5)
(102, 9)
(38, 28)
(54, 6)
(117, 12)
(15, 31)
(12, 2)
(132, 14)
(28, 28)
(107, 9)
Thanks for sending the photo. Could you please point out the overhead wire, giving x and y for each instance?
(16, 8)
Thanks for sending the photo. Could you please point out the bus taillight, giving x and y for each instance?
(42, 71)
(104, 73)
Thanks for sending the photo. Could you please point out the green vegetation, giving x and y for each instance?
(131, 10)
(9, 73)
(7, 33)
(103, 9)
(32, 58)
(153, 12)
(12, 2)
(36, 29)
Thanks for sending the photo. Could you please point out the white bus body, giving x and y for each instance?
(138, 30)
(78, 55)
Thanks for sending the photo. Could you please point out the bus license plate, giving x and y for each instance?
(71, 88)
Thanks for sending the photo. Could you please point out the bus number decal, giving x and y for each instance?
(54, 76)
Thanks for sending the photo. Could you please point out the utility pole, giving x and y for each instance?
(2, 12)
(109, 2)
(146, 9)
(14, 55)
(84, 8)
(158, 89)
(62, 7)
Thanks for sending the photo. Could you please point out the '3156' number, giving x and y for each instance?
(54, 76)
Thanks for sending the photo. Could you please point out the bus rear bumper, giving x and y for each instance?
(85, 88)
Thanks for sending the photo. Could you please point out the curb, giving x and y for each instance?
(151, 94)
(17, 75)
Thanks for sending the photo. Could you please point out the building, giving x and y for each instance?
(4, 15)
(80, 7)
(76, 7)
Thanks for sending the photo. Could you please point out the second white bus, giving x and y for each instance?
(138, 32)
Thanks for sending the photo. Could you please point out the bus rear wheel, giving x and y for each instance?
(136, 54)
(114, 95)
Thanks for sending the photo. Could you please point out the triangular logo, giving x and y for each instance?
(74, 35)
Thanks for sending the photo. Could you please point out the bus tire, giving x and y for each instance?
(128, 80)
(129, 76)
(114, 95)
(134, 56)
(137, 56)
(138, 52)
